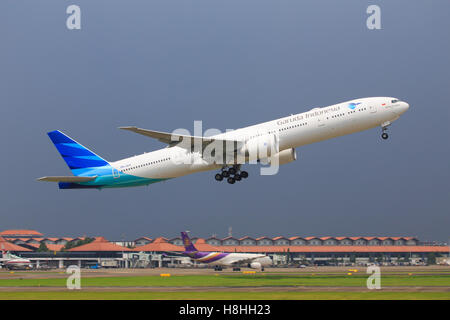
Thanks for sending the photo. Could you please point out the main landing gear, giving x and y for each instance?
(232, 175)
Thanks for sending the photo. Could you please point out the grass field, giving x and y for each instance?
(252, 280)
(223, 295)
(218, 286)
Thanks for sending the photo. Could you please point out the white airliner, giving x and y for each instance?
(270, 142)
(225, 259)
(11, 261)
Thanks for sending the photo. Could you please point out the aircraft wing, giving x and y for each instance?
(67, 179)
(173, 138)
(173, 253)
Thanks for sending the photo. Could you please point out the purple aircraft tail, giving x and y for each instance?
(188, 245)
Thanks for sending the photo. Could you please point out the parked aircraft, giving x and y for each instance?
(225, 259)
(13, 262)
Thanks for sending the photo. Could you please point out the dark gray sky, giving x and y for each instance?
(163, 64)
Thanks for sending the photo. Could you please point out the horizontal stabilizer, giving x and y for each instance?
(67, 179)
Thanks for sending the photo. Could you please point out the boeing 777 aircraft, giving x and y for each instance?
(274, 141)
(224, 259)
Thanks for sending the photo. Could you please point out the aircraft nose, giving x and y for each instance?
(401, 108)
(405, 107)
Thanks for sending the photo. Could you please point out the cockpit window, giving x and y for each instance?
(395, 101)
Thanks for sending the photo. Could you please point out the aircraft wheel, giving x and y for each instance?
(244, 174)
(237, 177)
(384, 135)
(218, 177)
(231, 180)
(225, 174)
(232, 171)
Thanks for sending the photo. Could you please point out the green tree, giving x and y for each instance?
(43, 247)
(77, 243)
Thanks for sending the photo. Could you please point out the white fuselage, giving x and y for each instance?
(293, 131)
(232, 259)
(250, 258)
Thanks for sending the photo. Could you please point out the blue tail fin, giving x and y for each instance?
(79, 158)
(188, 245)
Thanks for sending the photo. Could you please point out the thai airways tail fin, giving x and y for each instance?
(188, 245)
(79, 158)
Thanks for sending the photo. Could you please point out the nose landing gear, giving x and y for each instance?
(233, 174)
(384, 127)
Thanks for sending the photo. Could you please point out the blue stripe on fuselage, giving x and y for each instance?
(106, 179)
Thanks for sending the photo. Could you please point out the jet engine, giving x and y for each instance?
(285, 156)
(255, 265)
(260, 147)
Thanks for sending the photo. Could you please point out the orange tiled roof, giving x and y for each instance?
(229, 237)
(8, 246)
(246, 237)
(160, 244)
(51, 239)
(20, 239)
(34, 239)
(308, 249)
(100, 244)
(201, 245)
(279, 237)
(17, 232)
(51, 247)
(146, 238)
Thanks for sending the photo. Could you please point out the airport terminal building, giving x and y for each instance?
(153, 252)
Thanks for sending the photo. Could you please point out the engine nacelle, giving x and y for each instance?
(285, 156)
(261, 147)
(255, 265)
